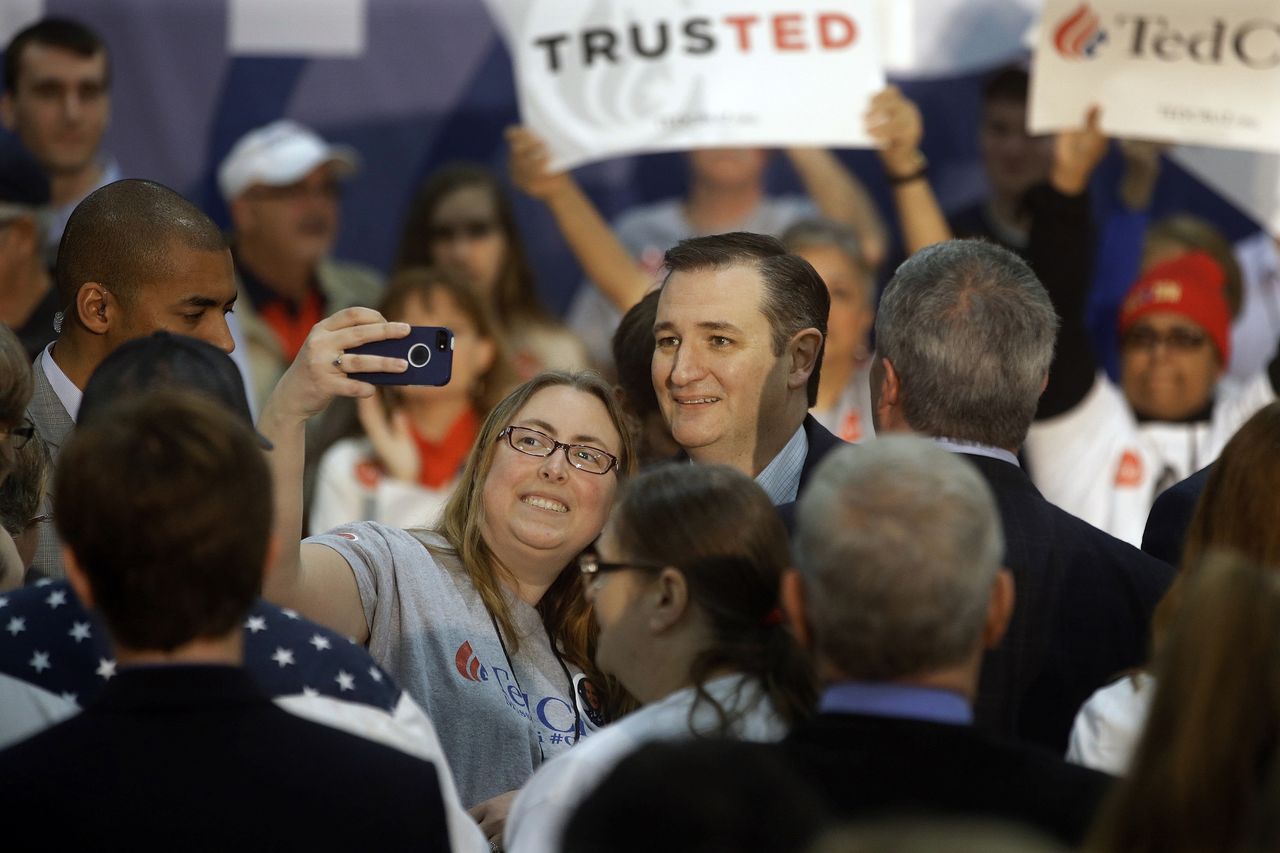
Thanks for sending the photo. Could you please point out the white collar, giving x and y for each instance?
(68, 394)
(972, 448)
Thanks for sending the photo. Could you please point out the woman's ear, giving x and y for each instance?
(669, 599)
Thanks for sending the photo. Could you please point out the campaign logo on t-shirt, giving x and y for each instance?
(469, 666)
(1129, 474)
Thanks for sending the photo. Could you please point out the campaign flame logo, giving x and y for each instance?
(1079, 34)
(469, 665)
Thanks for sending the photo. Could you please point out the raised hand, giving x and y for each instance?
(391, 437)
(529, 162)
(1076, 153)
(894, 122)
(319, 373)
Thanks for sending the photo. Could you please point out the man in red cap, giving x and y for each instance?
(1107, 457)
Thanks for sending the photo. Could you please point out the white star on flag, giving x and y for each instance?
(106, 668)
(16, 625)
(375, 675)
(284, 657)
(39, 661)
(79, 631)
(310, 692)
(346, 681)
(44, 582)
(57, 598)
(71, 697)
(256, 624)
(321, 643)
(4, 602)
(292, 614)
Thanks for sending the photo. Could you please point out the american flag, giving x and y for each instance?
(48, 640)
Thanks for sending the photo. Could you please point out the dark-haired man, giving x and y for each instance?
(1014, 161)
(56, 98)
(136, 258)
(737, 352)
(181, 746)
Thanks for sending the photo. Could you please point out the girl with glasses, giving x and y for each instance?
(683, 584)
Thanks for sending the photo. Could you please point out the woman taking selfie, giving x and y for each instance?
(482, 618)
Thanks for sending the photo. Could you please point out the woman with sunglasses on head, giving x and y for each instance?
(482, 617)
(683, 585)
(461, 220)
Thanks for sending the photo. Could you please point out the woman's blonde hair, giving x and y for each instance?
(564, 609)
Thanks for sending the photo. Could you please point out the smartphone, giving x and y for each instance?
(428, 349)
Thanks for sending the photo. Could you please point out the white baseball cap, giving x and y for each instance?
(279, 154)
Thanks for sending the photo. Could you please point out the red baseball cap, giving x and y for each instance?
(1190, 285)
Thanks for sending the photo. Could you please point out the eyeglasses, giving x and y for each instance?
(1177, 339)
(19, 435)
(584, 457)
(591, 564)
(476, 229)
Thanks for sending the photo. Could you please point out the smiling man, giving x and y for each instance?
(737, 353)
(136, 258)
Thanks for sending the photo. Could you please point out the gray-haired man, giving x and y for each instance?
(964, 336)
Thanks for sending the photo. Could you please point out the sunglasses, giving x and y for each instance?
(1177, 339)
(476, 229)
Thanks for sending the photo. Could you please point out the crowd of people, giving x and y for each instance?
(745, 553)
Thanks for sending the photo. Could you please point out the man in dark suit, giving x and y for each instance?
(964, 336)
(164, 500)
(135, 258)
(1171, 516)
(737, 354)
(898, 591)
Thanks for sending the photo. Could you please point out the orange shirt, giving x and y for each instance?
(439, 462)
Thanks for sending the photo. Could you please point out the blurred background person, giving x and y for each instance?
(16, 388)
(1235, 512)
(28, 299)
(22, 494)
(282, 184)
(416, 438)
(844, 394)
(633, 363)
(1206, 773)
(1013, 161)
(57, 100)
(683, 584)
(461, 220)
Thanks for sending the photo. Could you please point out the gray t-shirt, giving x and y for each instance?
(648, 232)
(429, 628)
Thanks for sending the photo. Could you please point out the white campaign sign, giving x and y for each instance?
(601, 78)
(1176, 70)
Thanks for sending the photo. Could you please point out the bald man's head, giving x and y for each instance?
(136, 258)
